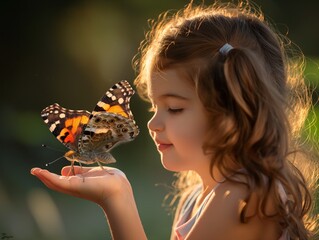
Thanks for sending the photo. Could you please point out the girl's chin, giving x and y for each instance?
(171, 165)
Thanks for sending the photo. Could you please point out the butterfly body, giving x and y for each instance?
(90, 157)
(90, 136)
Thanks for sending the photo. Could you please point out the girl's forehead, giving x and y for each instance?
(168, 77)
(169, 81)
(178, 73)
(183, 72)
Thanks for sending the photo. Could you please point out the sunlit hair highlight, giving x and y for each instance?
(255, 98)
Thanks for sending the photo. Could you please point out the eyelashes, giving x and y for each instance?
(175, 110)
(170, 110)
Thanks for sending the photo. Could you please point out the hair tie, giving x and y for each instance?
(225, 49)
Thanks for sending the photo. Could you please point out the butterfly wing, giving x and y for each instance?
(111, 122)
(116, 100)
(65, 124)
(105, 130)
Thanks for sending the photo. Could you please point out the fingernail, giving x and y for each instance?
(33, 171)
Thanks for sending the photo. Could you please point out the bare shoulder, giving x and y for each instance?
(220, 218)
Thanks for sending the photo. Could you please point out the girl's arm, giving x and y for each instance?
(110, 189)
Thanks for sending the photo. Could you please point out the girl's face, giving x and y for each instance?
(179, 123)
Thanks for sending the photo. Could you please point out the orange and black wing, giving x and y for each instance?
(65, 124)
(116, 100)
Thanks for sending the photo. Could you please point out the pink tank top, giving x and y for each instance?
(185, 224)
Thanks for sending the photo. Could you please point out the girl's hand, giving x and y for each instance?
(91, 183)
(107, 187)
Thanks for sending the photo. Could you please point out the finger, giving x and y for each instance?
(67, 171)
(58, 183)
(34, 171)
(40, 173)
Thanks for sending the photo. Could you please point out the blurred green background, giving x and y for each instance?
(71, 52)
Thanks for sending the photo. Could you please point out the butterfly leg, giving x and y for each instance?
(81, 169)
(101, 166)
(73, 172)
(71, 169)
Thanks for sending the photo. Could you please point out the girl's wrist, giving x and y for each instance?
(121, 212)
(122, 197)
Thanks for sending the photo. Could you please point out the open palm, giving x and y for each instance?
(91, 183)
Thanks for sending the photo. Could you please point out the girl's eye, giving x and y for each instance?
(175, 110)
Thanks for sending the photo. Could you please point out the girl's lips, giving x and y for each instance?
(161, 147)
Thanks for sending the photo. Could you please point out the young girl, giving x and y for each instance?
(228, 106)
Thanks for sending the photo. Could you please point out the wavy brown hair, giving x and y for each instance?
(255, 98)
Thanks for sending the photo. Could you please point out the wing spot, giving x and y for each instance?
(52, 127)
(121, 101)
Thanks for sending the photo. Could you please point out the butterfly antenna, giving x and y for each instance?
(47, 164)
(51, 148)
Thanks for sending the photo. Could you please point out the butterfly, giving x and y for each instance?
(91, 136)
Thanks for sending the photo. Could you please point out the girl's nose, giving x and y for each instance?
(155, 124)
